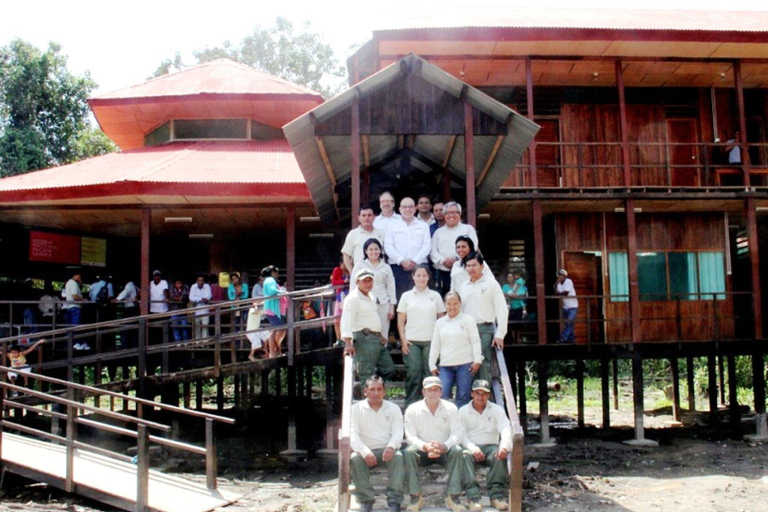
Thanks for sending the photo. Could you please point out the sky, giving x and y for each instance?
(122, 43)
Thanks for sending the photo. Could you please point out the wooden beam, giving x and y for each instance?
(623, 126)
(290, 249)
(634, 290)
(366, 150)
(355, 160)
(449, 151)
(754, 260)
(491, 159)
(446, 171)
(326, 160)
(469, 163)
(529, 102)
(739, 85)
(143, 282)
(538, 251)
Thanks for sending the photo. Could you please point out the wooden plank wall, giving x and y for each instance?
(655, 232)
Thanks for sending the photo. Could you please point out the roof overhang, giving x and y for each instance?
(414, 111)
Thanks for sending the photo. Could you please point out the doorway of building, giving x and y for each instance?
(683, 152)
(548, 155)
(584, 270)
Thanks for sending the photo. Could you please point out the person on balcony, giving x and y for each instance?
(443, 248)
(483, 300)
(733, 149)
(434, 433)
(377, 433)
(179, 299)
(200, 296)
(272, 310)
(353, 250)
(487, 440)
(516, 293)
(570, 304)
(417, 312)
(407, 244)
(361, 330)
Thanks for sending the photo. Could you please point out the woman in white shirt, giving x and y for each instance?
(417, 312)
(383, 282)
(456, 345)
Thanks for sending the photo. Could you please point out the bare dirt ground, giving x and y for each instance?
(695, 468)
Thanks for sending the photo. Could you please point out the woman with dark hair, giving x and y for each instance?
(464, 247)
(383, 281)
(272, 309)
(456, 346)
(417, 313)
(237, 290)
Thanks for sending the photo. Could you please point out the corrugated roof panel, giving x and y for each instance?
(246, 162)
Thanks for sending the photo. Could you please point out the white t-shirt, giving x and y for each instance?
(70, 290)
(422, 309)
(567, 286)
(157, 295)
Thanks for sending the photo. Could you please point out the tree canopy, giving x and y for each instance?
(300, 56)
(43, 110)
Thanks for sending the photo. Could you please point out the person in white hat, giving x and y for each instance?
(433, 432)
(570, 304)
(487, 440)
(361, 330)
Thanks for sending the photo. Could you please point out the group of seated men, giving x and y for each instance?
(435, 431)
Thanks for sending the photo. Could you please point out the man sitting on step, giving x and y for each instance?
(377, 433)
(487, 440)
(433, 432)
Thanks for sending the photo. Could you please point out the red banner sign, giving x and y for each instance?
(54, 248)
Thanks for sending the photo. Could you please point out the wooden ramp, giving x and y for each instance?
(106, 479)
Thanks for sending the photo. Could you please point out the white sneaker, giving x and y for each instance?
(82, 346)
(78, 346)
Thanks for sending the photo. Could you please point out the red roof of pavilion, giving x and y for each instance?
(249, 169)
(220, 89)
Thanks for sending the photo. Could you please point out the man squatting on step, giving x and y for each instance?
(377, 433)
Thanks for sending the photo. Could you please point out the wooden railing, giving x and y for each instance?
(74, 407)
(515, 457)
(345, 434)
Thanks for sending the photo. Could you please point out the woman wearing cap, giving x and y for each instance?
(456, 345)
(383, 282)
(417, 312)
(272, 310)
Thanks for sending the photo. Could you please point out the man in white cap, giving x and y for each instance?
(487, 440)
(570, 304)
(433, 432)
(361, 330)
(377, 433)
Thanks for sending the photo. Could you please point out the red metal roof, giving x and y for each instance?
(591, 18)
(222, 76)
(257, 168)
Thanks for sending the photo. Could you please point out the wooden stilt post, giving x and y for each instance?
(522, 402)
(199, 395)
(541, 290)
(754, 260)
(675, 369)
(721, 374)
(691, 383)
(605, 386)
(580, 392)
(544, 403)
(712, 383)
(758, 384)
(634, 289)
(615, 384)
(733, 399)
(330, 417)
(637, 392)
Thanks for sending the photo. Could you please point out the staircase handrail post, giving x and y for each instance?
(142, 469)
(345, 449)
(69, 484)
(211, 468)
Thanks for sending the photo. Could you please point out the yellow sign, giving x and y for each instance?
(93, 252)
(224, 279)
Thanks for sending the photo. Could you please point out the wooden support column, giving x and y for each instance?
(634, 290)
(354, 142)
(721, 374)
(712, 384)
(691, 383)
(522, 401)
(754, 260)
(605, 385)
(580, 392)
(146, 221)
(637, 395)
(733, 399)
(469, 163)
(615, 384)
(290, 248)
(739, 84)
(529, 104)
(541, 290)
(674, 366)
(623, 127)
(544, 403)
(758, 386)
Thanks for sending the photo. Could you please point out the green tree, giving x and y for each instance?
(92, 142)
(43, 109)
(299, 56)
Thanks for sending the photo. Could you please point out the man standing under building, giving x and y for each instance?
(384, 220)
(434, 433)
(487, 440)
(352, 251)
(483, 300)
(443, 249)
(361, 330)
(407, 245)
(200, 296)
(570, 304)
(158, 293)
(377, 433)
(437, 211)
